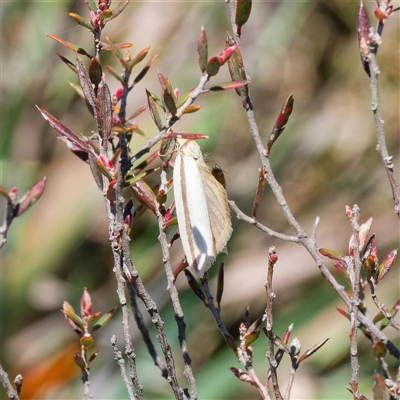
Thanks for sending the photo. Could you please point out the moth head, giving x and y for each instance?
(189, 148)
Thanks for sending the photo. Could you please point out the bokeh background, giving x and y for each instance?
(325, 159)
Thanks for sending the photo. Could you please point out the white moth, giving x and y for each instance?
(201, 207)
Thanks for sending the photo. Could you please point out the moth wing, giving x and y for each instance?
(192, 214)
(218, 208)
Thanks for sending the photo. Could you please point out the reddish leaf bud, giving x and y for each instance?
(386, 264)
(86, 304)
(226, 54)
(13, 194)
(202, 49)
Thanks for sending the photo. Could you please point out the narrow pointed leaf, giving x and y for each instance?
(77, 89)
(260, 191)
(236, 68)
(139, 57)
(119, 8)
(131, 180)
(193, 284)
(68, 45)
(144, 71)
(97, 175)
(137, 112)
(191, 109)
(79, 361)
(85, 82)
(81, 21)
(68, 63)
(280, 122)
(181, 266)
(115, 74)
(386, 265)
(32, 196)
(145, 163)
(93, 357)
(312, 350)
(169, 102)
(332, 254)
(91, 5)
(363, 27)
(117, 53)
(220, 285)
(153, 110)
(64, 131)
(74, 318)
(142, 191)
(227, 86)
(246, 318)
(104, 319)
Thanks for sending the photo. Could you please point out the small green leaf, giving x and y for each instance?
(144, 71)
(139, 57)
(104, 319)
(104, 15)
(332, 254)
(115, 74)
(191, 109)
(80, 21)
(86, 341)
(153, 110)
(243, 10)
(79, 361)
(169, 102)
(212, 66)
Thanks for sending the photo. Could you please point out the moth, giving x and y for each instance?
(201, 207)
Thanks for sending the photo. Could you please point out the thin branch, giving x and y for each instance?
(179, 316)
(121, 363)
(380, 306)
(354, 269)
(241, 215)
(272, 258)
(10, 391)
(158, 361)
(380, 131)
(215, 313)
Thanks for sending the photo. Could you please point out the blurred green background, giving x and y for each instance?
(325, 159)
